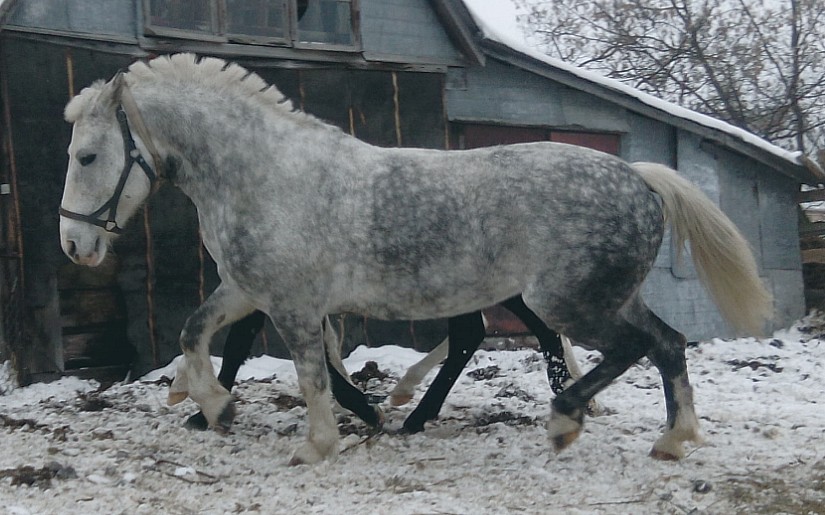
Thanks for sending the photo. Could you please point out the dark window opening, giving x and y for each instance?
(325, 24)
(326, 21)
(265, 18)
(186, 15)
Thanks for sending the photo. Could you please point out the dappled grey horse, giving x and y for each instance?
(304, 220)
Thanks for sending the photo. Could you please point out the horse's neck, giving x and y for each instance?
(213, 147)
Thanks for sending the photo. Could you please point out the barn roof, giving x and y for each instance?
(497, 43)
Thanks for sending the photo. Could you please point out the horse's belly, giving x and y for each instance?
(432, 292)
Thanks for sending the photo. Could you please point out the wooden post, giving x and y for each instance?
(150, 288)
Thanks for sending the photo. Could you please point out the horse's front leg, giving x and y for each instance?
(304, 339)
(235, 351)
(195, 376)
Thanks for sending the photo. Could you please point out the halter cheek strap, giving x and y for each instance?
(132, 156)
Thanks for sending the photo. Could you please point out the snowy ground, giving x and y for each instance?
(65, 448)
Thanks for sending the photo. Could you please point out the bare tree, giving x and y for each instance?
(758, 64)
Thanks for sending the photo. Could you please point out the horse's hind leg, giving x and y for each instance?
(558, 374)
(235, 351)
(466, 332)
(562, 369)
(621, 344)
(668, 354)
(405, 388)
(346, 393)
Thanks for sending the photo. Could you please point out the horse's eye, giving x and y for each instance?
(87, 159)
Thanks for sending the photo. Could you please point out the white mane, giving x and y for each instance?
(214, 73)
(77, 105)
(217, 74)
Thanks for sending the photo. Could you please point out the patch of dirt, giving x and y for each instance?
(21, 423)
(370, 371)
(772, 495)
(92, 401)
(485, 374)
(505, 417)
(755, 364)
(41, 478)
(286, 402)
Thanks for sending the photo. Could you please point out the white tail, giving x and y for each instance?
(722, 256)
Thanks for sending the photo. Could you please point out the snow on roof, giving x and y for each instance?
(497, 21)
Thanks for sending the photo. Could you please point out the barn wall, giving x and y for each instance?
(39, 85)
(502, 93)
(408, 30)
(674, 292)
(653, 141)
(763, 205)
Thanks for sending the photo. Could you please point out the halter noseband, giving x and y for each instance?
(132, 156)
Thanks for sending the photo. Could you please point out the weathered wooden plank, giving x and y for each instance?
(394, 29)
(813, 229)
(813, 256)
(817, 195)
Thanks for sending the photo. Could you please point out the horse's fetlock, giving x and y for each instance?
(572, 408)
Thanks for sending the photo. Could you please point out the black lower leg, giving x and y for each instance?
(466, 332)
(238, 346)
(572, 402)
(549, 341)
(672, 367)
(351, 398)
(235, 351)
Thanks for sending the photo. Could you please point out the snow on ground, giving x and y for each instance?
(66, 448)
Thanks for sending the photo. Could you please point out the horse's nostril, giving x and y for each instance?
(72, 249)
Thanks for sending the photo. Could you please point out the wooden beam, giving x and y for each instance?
(813, 256)
(811, 196)
(813, 229)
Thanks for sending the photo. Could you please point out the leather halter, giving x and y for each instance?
(132, 156)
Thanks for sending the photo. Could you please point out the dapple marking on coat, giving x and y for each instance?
(304, 220)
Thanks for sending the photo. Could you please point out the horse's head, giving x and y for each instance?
(101, 192)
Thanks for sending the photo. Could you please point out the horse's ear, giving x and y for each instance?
(110, 96)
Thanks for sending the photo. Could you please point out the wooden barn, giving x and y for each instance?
(424, 73)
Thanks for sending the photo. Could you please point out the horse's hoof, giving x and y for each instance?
(379, 416)
(411, 427)
(307, 454)
(400, 400)
(560, 442)
(562, 430)
(657, 454)
(225, 418)
(197, 422)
